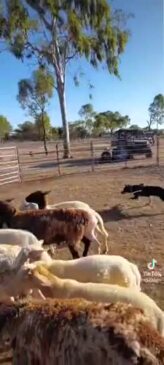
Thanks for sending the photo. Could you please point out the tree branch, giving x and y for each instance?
(56, 53)
(39, 9)
(68, 58)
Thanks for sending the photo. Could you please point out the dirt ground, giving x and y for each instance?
(136, 230)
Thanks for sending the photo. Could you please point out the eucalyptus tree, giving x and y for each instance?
(57, 32)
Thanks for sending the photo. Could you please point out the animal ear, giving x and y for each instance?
(46, 192)
(41, 242)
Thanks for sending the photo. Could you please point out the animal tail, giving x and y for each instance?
(101, 223)
(102, 230)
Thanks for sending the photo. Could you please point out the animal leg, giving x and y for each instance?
(73, 251)
(87, 243)
(106, 246)
(135, 196)
(37, 294)
(92, 237)
(149, 201)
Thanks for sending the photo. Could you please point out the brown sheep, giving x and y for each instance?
(78, 332)
(37, 200)
(54, 225)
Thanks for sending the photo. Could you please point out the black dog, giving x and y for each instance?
(132, 188)
(150, 191)
(144, 190)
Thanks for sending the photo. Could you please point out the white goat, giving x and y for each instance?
(18, 237)
(67, 288)
(97, 269)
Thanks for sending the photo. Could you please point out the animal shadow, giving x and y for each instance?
(116, 213)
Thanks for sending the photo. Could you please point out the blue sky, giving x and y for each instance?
(141, 70)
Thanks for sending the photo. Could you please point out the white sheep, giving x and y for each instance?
(17, 237)
(55, 287)
(39, 197)
(97, 269)
(12, 257)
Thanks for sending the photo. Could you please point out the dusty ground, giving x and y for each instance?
(136, 231)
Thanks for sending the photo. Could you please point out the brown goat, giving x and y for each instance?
(78, 332)
(53, 225)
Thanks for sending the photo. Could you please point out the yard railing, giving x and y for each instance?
(31, 162)
(9, 165)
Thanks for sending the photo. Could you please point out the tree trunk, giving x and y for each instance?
(44, 134)
(66, 139)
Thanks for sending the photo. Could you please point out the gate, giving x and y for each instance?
(9, 165)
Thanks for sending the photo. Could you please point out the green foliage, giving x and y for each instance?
(26, 131)
(5, 127)
(34, 93)
(109, 121)
(87, 113)
(78, 129)
(34, 131)
(156, 110)
(39, 121)
(54, 132)
(99, 123)
(56, 31)
(134, 126)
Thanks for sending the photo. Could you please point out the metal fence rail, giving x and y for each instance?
(9, 165)
(85, 157)
(31, 163)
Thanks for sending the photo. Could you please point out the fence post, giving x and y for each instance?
(19, 165)
(92, 156)
(157, 149)
(58, 159)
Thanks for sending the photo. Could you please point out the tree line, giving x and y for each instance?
(90, 123)
(51, 34)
